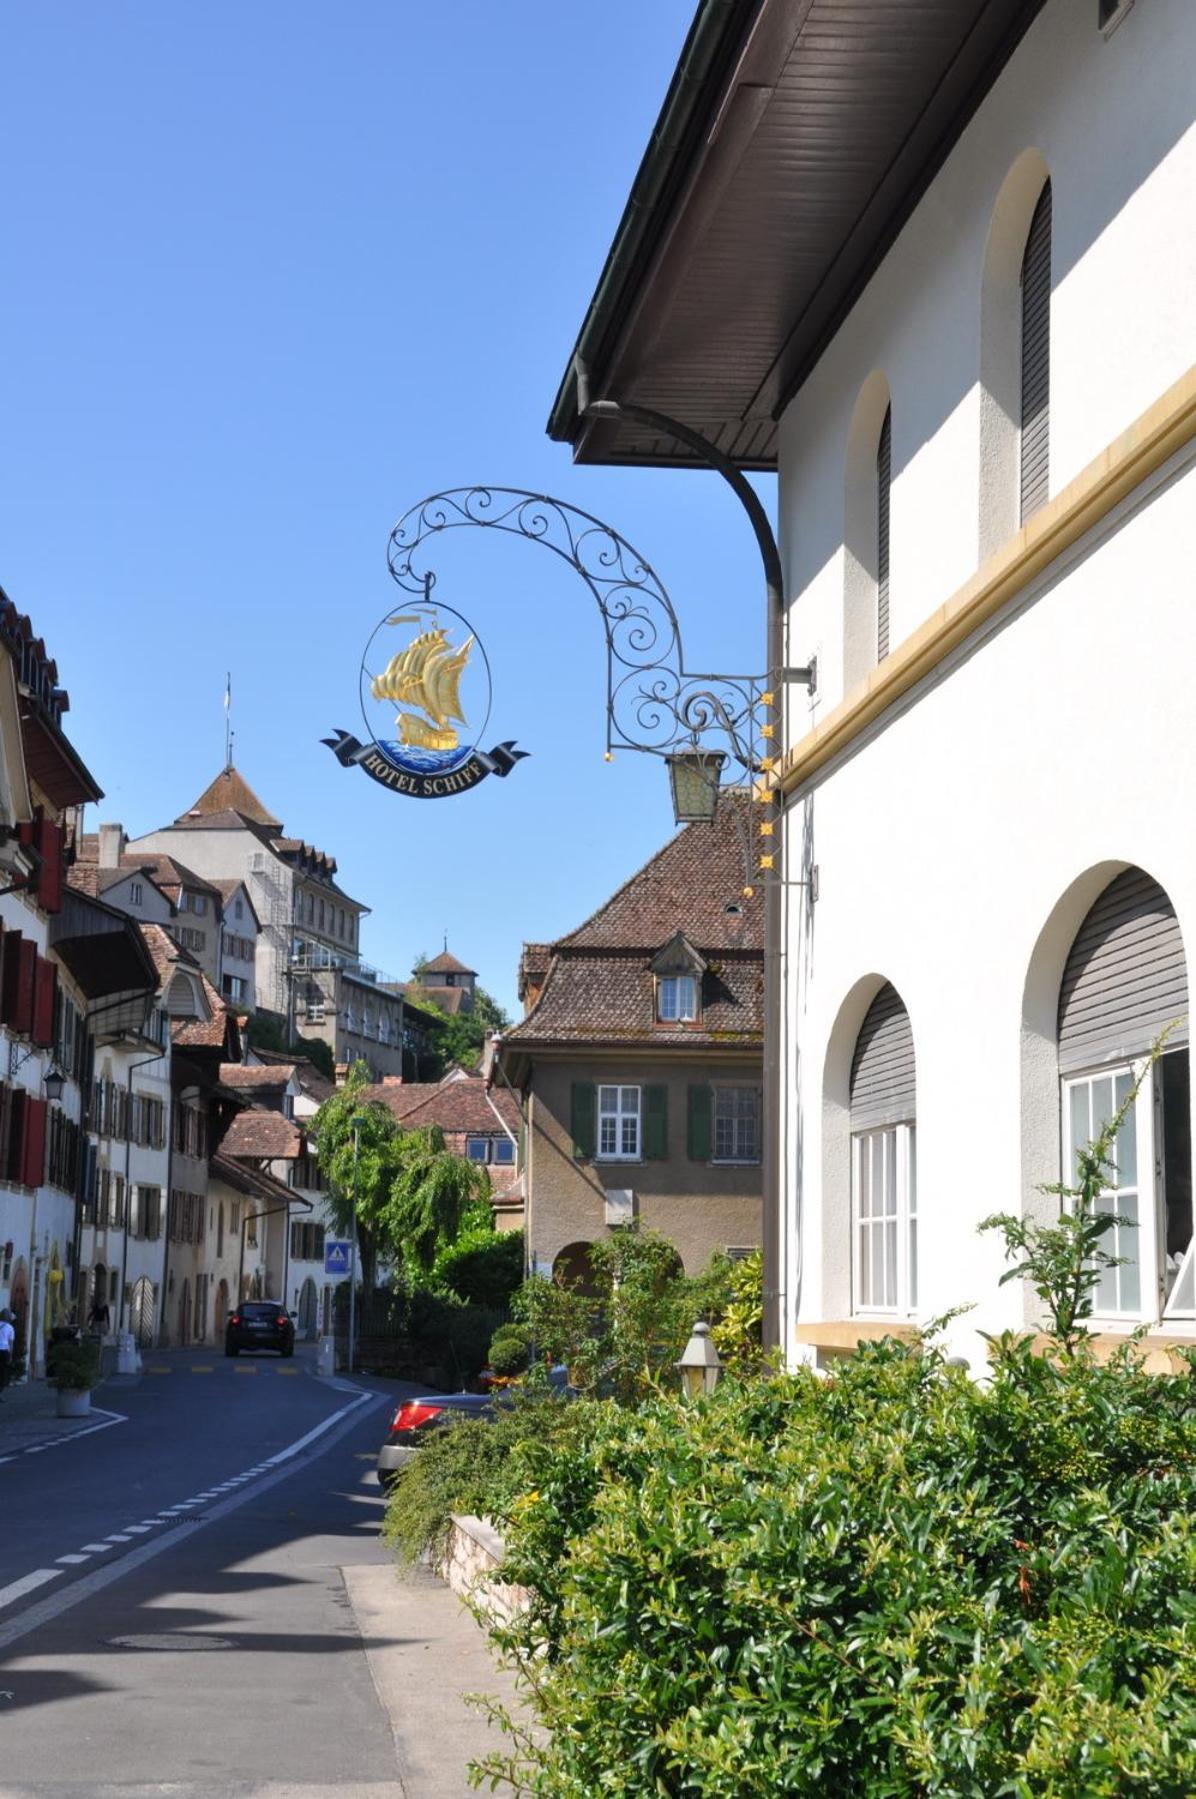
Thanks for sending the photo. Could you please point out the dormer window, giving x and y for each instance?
(676, 998)
(677, 970)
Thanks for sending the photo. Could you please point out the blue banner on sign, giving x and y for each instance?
(336, 1256)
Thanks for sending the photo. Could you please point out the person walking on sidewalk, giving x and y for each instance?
(7, 1338)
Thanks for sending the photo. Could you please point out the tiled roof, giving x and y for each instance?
(687, 886)
(596, 998)
(164, 871)
(453, 1104)
(597, 983)
(258, 1133)
(446, 964)
(230, 792)
(245, 1077)
(201, 1033)
(84, 877)
(315, 1084)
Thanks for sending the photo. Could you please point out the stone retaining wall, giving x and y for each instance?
(470, 1567)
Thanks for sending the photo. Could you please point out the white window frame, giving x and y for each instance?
(892, 1228)
(136, 893)
(676, 998)
(1145, 1246)
(737, 1157)
(471, 1142)
(621, 1108)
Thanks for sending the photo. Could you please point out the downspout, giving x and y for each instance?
(774, 885)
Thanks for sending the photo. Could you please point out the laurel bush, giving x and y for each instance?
(891, 1582)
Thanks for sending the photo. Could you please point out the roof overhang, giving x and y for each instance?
(106, 957)
(795, 140)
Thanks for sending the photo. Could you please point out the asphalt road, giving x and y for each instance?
(205, 1644)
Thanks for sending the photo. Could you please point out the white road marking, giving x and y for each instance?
(17, 1589)
(117, 1537)
(139, 1529)
(44, 1610)
(72, 1558)
(94, 1548)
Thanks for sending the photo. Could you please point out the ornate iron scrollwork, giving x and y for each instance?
(653, 703)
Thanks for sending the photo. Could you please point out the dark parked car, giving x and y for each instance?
(260, 1324)
(417, 1419)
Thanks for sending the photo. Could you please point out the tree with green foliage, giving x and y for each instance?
(458, 1038)
(263, 1034)
(482, 1265)
(621, 1333)
(378, 1160)
(431, 1191)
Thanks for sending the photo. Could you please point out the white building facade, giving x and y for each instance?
(985, 452)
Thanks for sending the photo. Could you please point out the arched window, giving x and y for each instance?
(884, 1205)
(884, 472)
(1124, 981)
(866, 531)
(1035, 441)
(1015, 343)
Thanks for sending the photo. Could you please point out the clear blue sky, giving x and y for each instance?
(272, 273)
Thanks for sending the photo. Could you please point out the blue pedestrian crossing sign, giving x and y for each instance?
(336, 1256)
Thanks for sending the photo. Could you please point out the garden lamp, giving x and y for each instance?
(699, 1363)
(53, 1083)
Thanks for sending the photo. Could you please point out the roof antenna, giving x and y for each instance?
(228, 721)
(446, 943)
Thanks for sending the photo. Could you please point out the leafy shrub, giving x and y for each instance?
(74, 1367)
(483, 1266)
(622, 1338)
(737, 1325)
(890, 1582)
(474, 1466)
(509, 1350)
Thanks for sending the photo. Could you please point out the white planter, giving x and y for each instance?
(73, 1405)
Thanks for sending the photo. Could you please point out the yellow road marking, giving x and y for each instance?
(286, 1371)
(159, 1371)
(242, 1369)
(201, 1368)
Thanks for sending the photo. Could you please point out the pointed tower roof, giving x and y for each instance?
(231, 792)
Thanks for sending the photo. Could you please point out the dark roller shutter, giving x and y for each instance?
(1125, 977)
(884, 470)
(1036, 360)
(882, 1070)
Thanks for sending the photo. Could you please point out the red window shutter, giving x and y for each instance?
(26, 987)
(34, 1171)
(10, 957)
(45, 988)
(15, 1158)
(49, 875)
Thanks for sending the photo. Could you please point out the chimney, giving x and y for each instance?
(112, 844)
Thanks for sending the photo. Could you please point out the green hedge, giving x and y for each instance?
(891, 1582)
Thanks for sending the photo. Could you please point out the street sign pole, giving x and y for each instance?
(353, 1255)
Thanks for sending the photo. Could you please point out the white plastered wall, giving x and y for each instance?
(960, 841)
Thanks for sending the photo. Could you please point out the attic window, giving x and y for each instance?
(676, 998)
(733, 909)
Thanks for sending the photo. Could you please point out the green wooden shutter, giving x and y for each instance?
(656, 1123)
(700, 1114)
(584, 1120)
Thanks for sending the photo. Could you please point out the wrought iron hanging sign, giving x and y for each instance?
(425, 703)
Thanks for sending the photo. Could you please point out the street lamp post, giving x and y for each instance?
(357, 1121)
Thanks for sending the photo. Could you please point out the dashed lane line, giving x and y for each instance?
(274, 1469)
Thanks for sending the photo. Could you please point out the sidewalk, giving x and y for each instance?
(426, 1654)
(29, 1418)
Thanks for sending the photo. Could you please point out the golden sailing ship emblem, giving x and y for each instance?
(426, 676)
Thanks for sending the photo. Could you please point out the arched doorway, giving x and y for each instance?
(141, 1312)
(221, 1308)
(572, 1268)
(185, 1314)
(307, 1308)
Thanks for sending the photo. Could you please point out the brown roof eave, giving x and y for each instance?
(694, 209)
